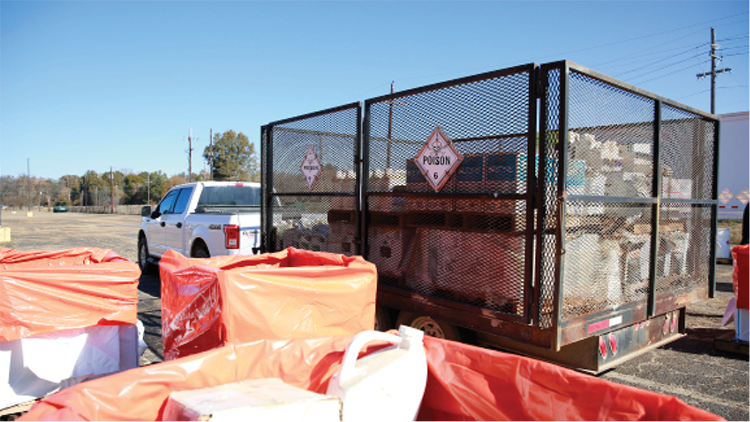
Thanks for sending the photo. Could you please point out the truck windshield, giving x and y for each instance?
(229, 196)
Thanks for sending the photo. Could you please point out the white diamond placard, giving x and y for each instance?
(438, 159)
(311, 167)
(743, 196)
(725, 196)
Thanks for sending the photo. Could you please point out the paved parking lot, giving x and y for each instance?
(689, 368)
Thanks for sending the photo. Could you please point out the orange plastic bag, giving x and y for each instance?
(464, 383)
(740, 275)
(293, 293)
(48, 291)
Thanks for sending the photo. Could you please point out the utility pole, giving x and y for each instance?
(28, 191)
(148, 177)
(211, 154)
(112, 190)
(190, 153)
(714, 71)
(390, 127)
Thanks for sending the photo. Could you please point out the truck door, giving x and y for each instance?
(174, 219)
(156, 224)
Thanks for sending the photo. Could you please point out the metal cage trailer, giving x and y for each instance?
(546, 209)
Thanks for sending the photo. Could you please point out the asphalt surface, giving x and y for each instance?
(689, 368)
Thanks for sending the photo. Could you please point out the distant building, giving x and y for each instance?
(734, 165)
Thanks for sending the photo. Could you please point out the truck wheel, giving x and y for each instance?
(200, 251)
(143, 263)
(431, 327)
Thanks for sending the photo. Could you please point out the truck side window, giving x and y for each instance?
(182, 200)
(165, 205)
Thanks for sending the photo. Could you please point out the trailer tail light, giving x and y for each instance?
(232, 236)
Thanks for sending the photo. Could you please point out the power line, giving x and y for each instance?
(665, 67)
(657, 33)
(732, 39)
(694, 94)
(671, 73)
(640, 52)
(650, 59)
(664, 59)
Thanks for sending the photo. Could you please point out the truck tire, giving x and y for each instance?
(143, 262)
(431, 327)
(200, 250)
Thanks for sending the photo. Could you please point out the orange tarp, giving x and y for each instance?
(464, 383)
(48, 291)
(293, 293)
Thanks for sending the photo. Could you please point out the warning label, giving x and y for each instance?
(311, 167)
(438, 159)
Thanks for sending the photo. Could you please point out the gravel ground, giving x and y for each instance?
(689, 368)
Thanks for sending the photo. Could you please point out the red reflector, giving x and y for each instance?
(232, 236)
(603, 347)
(613, 343)
(735, 206)
(239, 184)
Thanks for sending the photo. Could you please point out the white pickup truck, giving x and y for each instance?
(201, 220)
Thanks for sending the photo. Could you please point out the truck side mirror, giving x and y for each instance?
(146, 211)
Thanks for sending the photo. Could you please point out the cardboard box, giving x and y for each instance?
(471, 205)
(341, 239)
(636, 266)
(592, 185)
(444, 260)
(637, 158)
(503, 175)
(581, 257)
(676, 189)
(471, 174)
(260, 399)
(429, 204)
(386, 248)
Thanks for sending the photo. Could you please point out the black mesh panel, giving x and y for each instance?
(466, 242)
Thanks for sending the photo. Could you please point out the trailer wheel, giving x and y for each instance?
(431, 327)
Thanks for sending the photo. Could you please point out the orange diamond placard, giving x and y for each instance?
(438, 159)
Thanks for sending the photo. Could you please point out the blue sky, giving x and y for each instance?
(89, 85)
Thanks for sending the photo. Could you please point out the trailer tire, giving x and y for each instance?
(431, 327)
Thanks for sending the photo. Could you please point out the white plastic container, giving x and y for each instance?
(267, 399)
(387, 385)
(723, 248)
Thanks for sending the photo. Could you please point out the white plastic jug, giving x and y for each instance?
(387, 385)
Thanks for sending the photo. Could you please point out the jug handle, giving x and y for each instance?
(355, 346)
